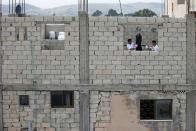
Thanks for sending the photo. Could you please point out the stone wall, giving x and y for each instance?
(110, 63)
(39, 112)
(115, 111)
(24, 60)
(118, 78)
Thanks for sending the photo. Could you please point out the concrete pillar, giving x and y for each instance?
(84, 111)
(84, 64)
(84, 47)
(191, 50)
(1, 62)
(190, 114)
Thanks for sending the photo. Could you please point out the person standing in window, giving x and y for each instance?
(131, 45)
(139, 42)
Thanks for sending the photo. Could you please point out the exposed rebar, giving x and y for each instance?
(121, 11)
(9, 7)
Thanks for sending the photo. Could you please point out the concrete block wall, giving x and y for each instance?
(39, 112)
(121, 111)
(24, 62)
(110, 63)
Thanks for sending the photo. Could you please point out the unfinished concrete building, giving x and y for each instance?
(179, 8)
(89, 81)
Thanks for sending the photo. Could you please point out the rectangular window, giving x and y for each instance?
(24, 129)
(24, 100)
(141, 37)
(62, 99)
(53, 36)
(181, 1)
(55, 31)
(155, 109)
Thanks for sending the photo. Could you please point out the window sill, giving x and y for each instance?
(142, 53)
(62, 107)
(52, 44)
(156, 120)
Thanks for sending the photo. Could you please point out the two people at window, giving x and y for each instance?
(153, 46)
(138, 45)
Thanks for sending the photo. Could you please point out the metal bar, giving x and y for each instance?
(167, 7)
(24, 7)
(164, 7)
(15, 8)
(9, 7)
(78, 5)
(12, 6)
(87, 6)
(121, 8)
(83, 5)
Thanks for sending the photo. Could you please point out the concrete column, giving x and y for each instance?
(191, 50)
(1, 62)
(84, 47)
(190, 114)
(84, 111)
(1, 109)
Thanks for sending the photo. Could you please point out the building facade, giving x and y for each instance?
(179, 8)
(44, 85)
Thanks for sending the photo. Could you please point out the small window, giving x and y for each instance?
(62, 99)
(141, 36)
(181, 1)
(53, 37)
(24, 129)
(155, 109)
(24, 100)
(55, 31)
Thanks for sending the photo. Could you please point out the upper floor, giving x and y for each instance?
(31, 54)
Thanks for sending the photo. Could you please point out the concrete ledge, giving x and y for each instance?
(122, 87)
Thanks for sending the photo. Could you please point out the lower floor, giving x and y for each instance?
(123, 109)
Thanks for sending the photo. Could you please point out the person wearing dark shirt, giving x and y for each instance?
(139, 42)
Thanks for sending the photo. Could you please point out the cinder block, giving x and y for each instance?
(12, 129)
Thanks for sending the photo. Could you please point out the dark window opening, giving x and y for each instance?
(155, 109)
(24, 129)
(24, 100)
(62, 99)
(181, 1)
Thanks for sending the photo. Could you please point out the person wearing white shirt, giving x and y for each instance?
(131, 45)
(155, 47)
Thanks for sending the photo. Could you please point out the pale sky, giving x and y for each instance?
(55, 3)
